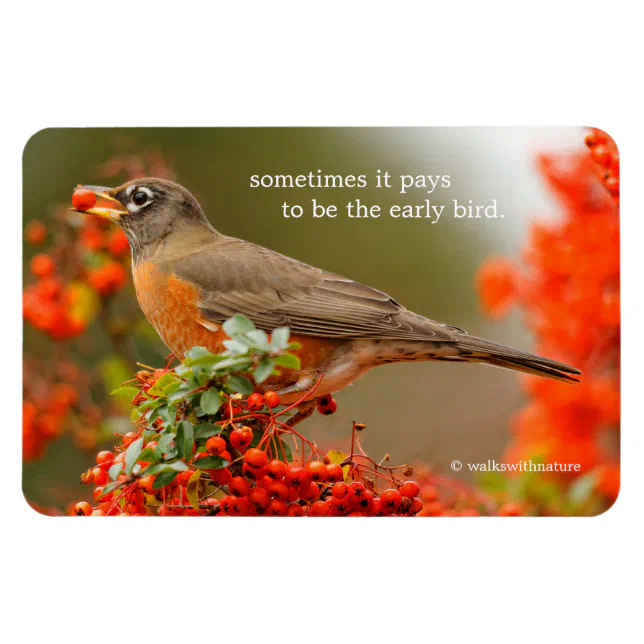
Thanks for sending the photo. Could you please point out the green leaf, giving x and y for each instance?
(206, 430)
(132, 454)
(236, 347)
(210, 401)
(196, 352)
(240, 384)
(164, 444)
(185, 439)
(210, 463)
(264, 369)
(167, 416)
(164, 478)
(204, 361)
(115, 470)
(109, 488)
(158, 388)
(168, 390)
(258, 338)
(176, 466)
(130, 392)
(288, 361)
(148, 455)
(240, 363)
(238, 325)
(279, 338)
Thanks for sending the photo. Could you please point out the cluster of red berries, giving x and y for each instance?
(605, 154)
(41, 424)
(79, 264)
(246, 469)
(53, 404)
(254, 486)
(318, 489)
(57, 302)
(326, 405)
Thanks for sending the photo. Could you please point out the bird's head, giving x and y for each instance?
(148, 210)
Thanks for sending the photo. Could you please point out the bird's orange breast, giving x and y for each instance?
(171, 306)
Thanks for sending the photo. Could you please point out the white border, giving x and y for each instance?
(332, 63)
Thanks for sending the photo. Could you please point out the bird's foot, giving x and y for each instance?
(304, 410)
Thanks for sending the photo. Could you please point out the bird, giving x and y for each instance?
(190, 278)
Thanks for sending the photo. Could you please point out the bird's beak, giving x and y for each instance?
(106, 206)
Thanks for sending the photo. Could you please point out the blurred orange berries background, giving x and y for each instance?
(568, 288)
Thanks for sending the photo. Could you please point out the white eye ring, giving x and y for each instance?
(133, 190)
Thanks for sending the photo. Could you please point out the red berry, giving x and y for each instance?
(104, 459)
(221, 476)
(317, 470)
(277, 508)
(35, 232)
(260, 499)
(279, 490)
(239, 486)
(83, 199)
(216, 445)
(42, 265)
(601, 154)
(255, 402)
(294, 510)
(356, 488)
(510, 510)
(239, 506)
(145, 483)
(329, 409)
(391, 499)
(98, 493)
(117, 242)
(339, 490)
(272, 399)
(256, 457)
(276, 469)
(334, 472)
(409, 489)
(226, 504)
(183, 478)
(612, 185)
(309, 491)
(99, 476)
(297, 475)
(83, 509)
(339, 507)
(241, 438)
(319, 509)
(253, 473)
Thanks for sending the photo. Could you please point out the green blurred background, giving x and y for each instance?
(432, 412)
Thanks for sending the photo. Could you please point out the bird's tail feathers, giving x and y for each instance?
(471, 347)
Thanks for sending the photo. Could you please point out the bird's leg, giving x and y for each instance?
(304, 410)
(306, 407)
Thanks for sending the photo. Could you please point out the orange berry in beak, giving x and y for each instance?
(83, 199)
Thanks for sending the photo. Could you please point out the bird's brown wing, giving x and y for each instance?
(273, 290)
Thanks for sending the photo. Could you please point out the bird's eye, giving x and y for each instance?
(139, 198)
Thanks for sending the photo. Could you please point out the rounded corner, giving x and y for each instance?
(32, 138)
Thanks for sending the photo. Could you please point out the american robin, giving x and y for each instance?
(190, 278)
